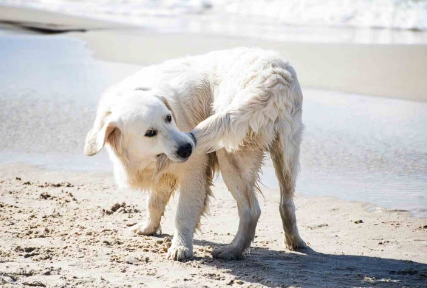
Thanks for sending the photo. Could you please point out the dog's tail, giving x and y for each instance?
(268, 109)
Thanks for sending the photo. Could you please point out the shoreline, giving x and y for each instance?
(52, 22)
(386, 70)
(101, 166)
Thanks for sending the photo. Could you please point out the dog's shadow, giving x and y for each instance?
(308, 268)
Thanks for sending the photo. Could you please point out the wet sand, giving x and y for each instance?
(40, 20)
(379, 70)
(63, 222)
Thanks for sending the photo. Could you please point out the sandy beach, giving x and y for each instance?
(73, 230)
(65, 224)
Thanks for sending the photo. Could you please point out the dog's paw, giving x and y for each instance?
(294, 243)
(227, 253)
(179, 253)
(144, 229)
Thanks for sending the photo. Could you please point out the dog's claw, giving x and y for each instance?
(144, 229)
(179, 253)
(294, 243)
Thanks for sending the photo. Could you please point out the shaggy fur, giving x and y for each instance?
(238, 105)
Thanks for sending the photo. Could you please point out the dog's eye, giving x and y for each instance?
(168, 119)
(150, 133)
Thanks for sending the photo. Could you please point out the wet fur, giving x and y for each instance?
(238, 104)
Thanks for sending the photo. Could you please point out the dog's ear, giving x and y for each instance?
(168, 106)
(96, 138)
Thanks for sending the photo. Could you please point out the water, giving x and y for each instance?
(49, 90)
(361, 21)
(364, 148)
(355, 147)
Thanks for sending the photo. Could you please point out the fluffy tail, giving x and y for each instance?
(270, 104)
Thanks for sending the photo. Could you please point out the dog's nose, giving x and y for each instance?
(184, 151)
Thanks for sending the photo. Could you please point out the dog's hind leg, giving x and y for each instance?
(240, 173)
(284, 152)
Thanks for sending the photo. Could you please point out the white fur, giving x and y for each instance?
(238, 104)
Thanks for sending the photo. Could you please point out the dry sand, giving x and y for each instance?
(72, 230)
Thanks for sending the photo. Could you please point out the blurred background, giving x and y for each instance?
(304, 20)
(362, 64)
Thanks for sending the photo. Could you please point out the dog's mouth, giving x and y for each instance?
(163, 161)
(178, 159)
(164, 157)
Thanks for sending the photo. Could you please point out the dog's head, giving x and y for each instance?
(139, 128)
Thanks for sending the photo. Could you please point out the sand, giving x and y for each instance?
(379, 70)
(72, 230)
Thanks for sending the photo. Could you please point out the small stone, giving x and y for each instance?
(163, 250)
(45, 195)
(34, 284)
(131, 260)
(47, 272)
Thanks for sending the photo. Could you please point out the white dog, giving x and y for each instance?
(235, 105)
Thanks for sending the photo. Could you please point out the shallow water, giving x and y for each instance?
(391, 14)
(355, 147)
(364, 148)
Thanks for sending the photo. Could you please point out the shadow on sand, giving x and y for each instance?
(309, 268)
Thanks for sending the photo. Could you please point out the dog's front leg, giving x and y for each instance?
(156, 203)
(190, 206)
